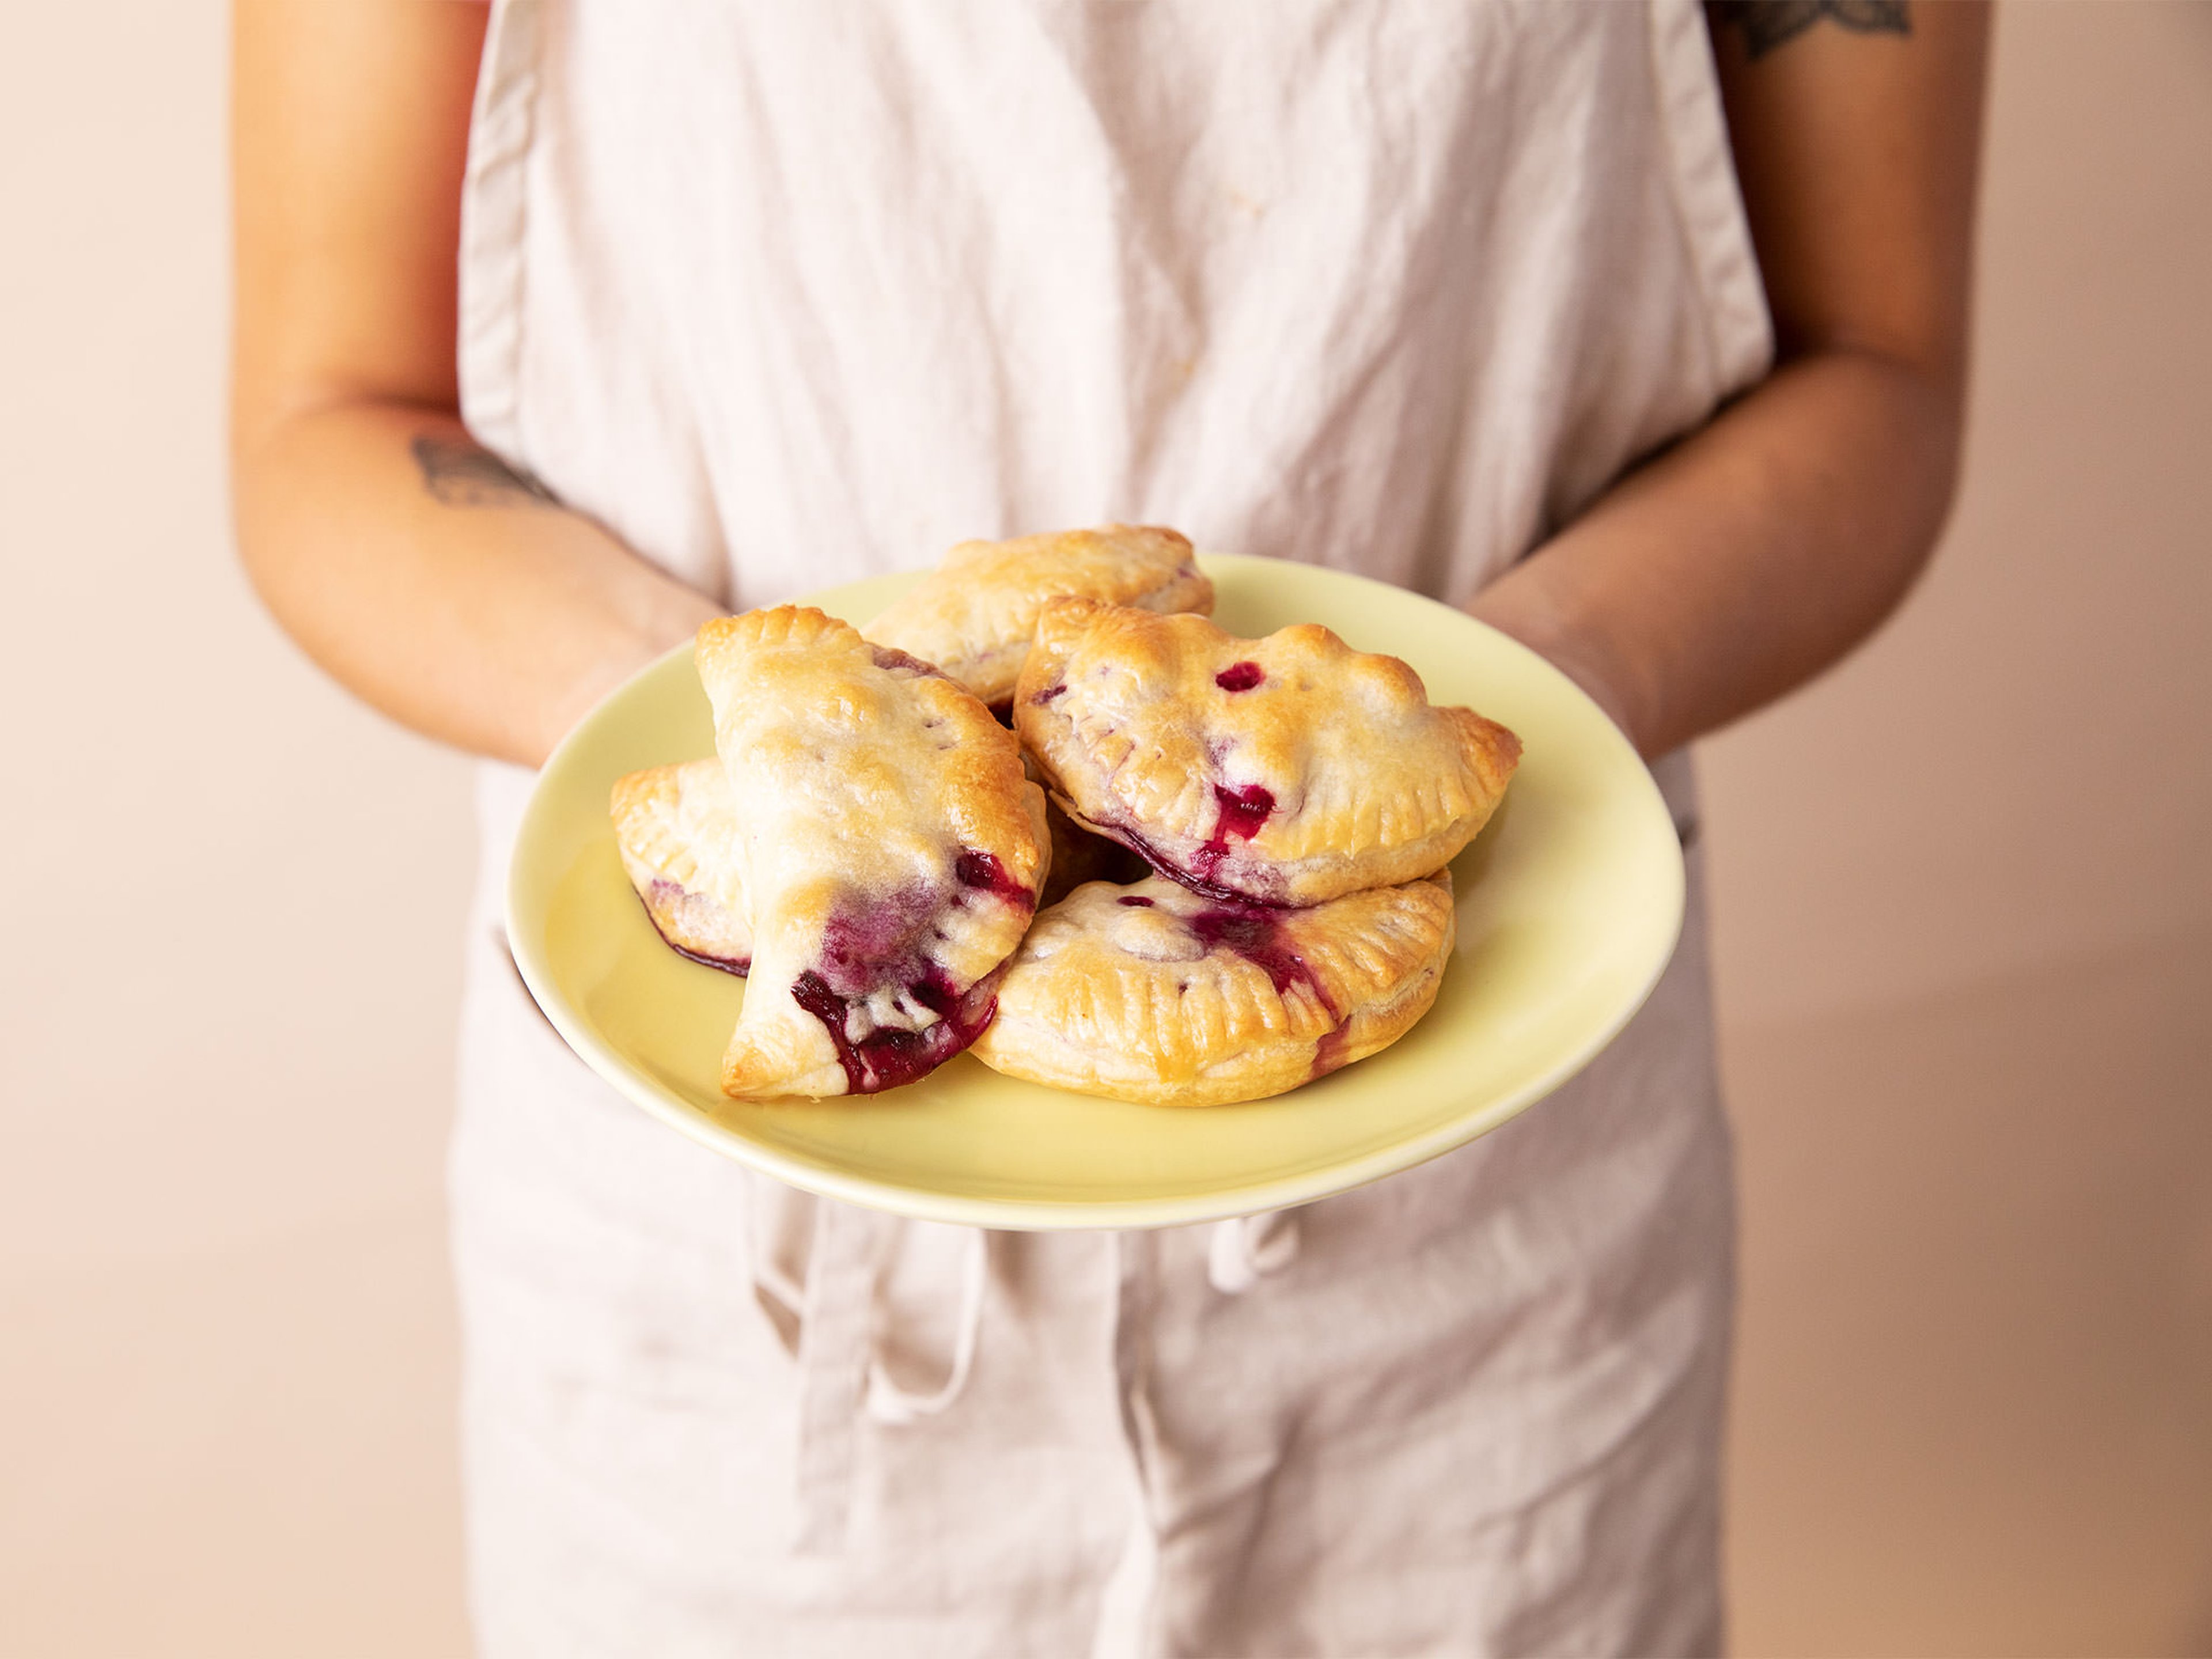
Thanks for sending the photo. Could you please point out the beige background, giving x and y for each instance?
(1965, 913)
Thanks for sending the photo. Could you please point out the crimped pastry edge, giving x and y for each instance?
(1038, 1050)
(927, 619)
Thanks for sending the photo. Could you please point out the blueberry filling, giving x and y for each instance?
(1329, 1052)
(1040, 698)
(889, 1056)
(887, 944)
(1256, 935)
(1242, 813)
(1137, 899)
(863, 950)
(983, 871)
(739, 965)
(1175, 872)
(890, 658)
(1240, 676)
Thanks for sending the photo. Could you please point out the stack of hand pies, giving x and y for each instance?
(872, 846)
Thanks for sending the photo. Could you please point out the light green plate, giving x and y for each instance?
(1569, 906)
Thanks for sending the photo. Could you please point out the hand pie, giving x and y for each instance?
(973, 615)
(892, 848)
(1155, 994)
(1287, 770)
(677, 829)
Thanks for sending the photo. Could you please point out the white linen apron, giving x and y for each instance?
(788, 295)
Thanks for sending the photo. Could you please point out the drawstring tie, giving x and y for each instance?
(1245, 1248)
(830, 1325)
(889, 1402)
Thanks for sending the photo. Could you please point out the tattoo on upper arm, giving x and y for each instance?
(459, 473)
(1767, 24)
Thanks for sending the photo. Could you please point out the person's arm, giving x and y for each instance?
(1745, 559)
(406, 560)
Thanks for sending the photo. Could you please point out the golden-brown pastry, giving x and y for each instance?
(1288, 771)
(677, 831)
(973, 615)
(1153, 992)
(892, 853)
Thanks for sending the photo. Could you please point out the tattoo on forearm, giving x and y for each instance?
(1767, 24)
(459, 473)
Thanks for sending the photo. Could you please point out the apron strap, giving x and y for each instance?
(836, 1340)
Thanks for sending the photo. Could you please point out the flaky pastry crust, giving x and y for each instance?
(677, 828)
(892, 853)
(973, 615)
(1287, 770)
(1153, 992)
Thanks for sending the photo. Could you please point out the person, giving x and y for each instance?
(1639, 331)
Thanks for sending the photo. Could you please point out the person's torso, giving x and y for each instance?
(790, 294)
